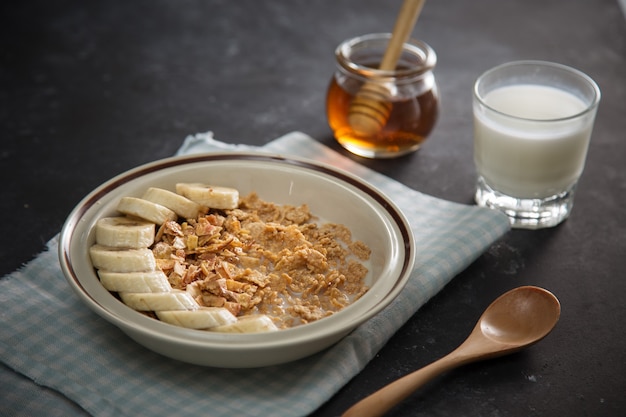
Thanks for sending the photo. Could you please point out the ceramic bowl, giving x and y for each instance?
(331, 194)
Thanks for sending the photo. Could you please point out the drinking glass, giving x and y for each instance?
(532, 126)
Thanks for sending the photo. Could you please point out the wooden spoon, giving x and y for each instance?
(370, 109)
(515, 320)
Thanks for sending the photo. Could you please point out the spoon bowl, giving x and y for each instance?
(521, 317)
(515, 320)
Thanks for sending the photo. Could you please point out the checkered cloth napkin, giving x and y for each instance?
(57, 354)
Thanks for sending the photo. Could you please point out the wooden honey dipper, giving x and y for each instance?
(370, 108)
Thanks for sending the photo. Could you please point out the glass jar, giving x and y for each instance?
(378, 113)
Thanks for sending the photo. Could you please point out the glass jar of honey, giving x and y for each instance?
(378, 113)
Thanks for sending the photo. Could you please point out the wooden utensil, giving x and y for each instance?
(370, 108)
(515, 320)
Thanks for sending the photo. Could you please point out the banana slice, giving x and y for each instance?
(210, 196)
(124, 232)
(122, 260)
(179, 204)
(150, 281)
(159, 301)
(248, 324)
(146, 210)
(200, 319)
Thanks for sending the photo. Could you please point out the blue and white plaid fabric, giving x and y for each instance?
(54, 348)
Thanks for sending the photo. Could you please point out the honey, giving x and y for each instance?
(406, 105)
(410, 122)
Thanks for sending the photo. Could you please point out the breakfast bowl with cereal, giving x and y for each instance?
(234, 259)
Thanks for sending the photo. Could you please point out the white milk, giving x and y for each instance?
(532, 154)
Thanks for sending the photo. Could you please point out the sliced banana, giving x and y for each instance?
(149, 281)
(209, 195)
(248, 324)
(124, 232)
(200, 319)
(159, 301)
(121, 259)
(179, 204)
(146, 210)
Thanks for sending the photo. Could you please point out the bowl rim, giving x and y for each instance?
(150, 327)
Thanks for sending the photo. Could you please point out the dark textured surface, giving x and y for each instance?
(90, 89)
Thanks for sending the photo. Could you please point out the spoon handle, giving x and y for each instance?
(384, 399)
(404, 25)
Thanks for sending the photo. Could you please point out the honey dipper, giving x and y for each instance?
(370, 108)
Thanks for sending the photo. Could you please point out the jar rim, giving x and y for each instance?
(426, 56)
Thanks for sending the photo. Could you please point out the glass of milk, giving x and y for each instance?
(532, 126)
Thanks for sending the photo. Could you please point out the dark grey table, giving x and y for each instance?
(92, 88)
